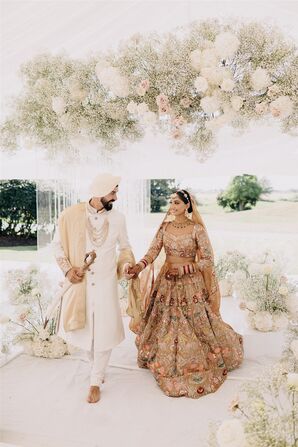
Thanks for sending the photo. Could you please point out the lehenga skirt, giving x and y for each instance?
(187, 347)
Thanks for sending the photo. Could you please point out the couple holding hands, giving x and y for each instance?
(180, 335)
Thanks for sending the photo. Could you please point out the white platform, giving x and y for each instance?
(43, 401)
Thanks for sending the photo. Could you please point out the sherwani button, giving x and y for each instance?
(93, 284)
(92, 273)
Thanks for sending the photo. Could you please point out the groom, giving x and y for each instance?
(90, 315)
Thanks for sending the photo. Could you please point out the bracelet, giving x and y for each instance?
(144, 263)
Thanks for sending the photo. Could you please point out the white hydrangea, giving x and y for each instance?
(260, 79)
(215, 75)
(263, 321)
(281, 107)
(279, 321)
(195, 59)
(231, 434)
(226, 44)
(227, 85)
(237, 102)
(201, 84)
(210, 104)
(58, 105)
(294, 347)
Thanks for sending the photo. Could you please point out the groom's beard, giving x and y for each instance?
(108, 205)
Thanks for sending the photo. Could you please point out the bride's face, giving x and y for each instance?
(177, 206)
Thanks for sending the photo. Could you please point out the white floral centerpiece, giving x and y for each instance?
(228, 268)
(267, 296)
(264, 413)
(29, 295)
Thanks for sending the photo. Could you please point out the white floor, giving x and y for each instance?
(43, 401)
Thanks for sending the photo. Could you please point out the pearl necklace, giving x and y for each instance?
(97, 237)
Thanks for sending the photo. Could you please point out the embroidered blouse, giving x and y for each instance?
(183, 246)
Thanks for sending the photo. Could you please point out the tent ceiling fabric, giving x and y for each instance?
(83, 28)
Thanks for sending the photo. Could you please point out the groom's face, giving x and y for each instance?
(107, 201)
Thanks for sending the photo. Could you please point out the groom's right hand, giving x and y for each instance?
(75, 275)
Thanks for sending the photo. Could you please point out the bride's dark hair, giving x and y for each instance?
(185, 197)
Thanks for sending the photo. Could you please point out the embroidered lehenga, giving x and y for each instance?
(181, 337)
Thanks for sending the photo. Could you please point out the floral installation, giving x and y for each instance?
(228, 267)
(264, 413)
(29, 295)
(189, 83)
(267, 295)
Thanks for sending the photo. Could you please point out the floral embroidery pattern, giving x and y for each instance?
(187, 347)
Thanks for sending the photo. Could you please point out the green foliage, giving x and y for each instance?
(243, 192)
(160, 192)
(18, 209)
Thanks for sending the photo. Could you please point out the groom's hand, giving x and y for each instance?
(126, 273)
(75, 275)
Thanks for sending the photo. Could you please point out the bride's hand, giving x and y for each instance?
(134, 271)
(172, 273)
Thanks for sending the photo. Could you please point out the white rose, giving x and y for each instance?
(58, 105)
(4, 319)
(263, 321)
(76, 91)
(282, 107)
(201, 84)
(236, 102)
(142, 108)
(120, 87)
(195, 59)
(292, 379)
(227, 85)
(210, 104)
(132, 107)
(260, 79)
(212, 75)
(226, 44)
(261, 108)
(43, 334)
(294, 347)
(280, 321)
(231, 434)
(209, 58)
(283, 290)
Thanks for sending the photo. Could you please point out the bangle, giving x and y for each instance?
(144, 262)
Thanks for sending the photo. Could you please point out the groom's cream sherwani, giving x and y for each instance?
(103, 322)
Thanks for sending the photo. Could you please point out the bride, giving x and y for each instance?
(181, 337)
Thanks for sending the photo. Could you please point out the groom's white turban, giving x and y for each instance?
(103, 184)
